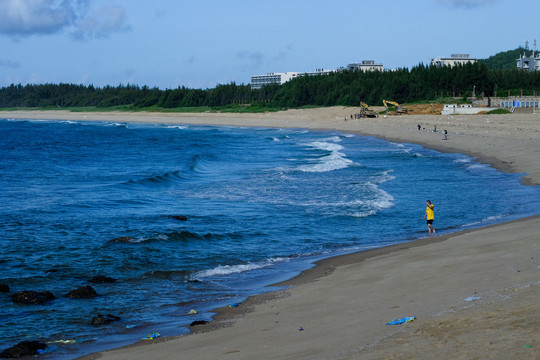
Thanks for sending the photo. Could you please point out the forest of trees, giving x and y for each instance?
(345, 88)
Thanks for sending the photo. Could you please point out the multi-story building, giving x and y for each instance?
(258, 81)
(453, 60)
(366, 65)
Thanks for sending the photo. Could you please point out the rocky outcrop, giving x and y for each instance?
(121, 240)
(84, 292)
(104, 319)
(100, 279)
(24, 348)
(32, 297)
(179, 217)
(198, 322)
(4, 288)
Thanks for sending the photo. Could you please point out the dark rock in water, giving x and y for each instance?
(51, 271)
(32, 297)
(4, 288)
(84, 292)
(100, 279)
(179, 217)
(198, 322)
(24, 348)
(121, 240)
(104, 319)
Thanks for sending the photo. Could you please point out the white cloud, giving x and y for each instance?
(20, 18)
(468, 4)
(27, 17)
(101, 22)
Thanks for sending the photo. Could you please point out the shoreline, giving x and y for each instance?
(472, 138)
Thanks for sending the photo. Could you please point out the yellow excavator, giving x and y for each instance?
(399, 108)
(365, 111)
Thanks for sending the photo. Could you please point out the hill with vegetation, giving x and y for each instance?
(505, 60)
(347, 88)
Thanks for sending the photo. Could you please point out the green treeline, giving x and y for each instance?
(345, 88)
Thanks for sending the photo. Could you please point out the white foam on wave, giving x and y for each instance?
(179, 127)
(335, 160)
(383, 177)
(477, 166)
(116, 124)
(383, 200)
(489, 219)
(224, 270)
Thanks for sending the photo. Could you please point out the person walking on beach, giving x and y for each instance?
(430, 215)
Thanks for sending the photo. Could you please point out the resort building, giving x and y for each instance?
(258, 81)
(453, 60)
(366, 65)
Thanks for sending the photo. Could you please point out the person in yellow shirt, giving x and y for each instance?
(430, 215)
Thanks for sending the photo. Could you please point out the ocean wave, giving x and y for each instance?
(224, 270)
(463, 160)
(179, 127)
(475, 166)
(486, 220)
(167, 274)
(334, 160)
(177, 236)
(124, 125)
(158, 179)
(383, 177)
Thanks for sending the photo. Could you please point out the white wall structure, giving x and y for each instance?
(465, 109)
(453, 60)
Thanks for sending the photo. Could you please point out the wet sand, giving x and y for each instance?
(474, 293)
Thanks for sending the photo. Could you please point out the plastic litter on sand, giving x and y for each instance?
(151, 336)
(401, 320)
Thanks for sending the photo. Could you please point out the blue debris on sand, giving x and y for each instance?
(402, 320)
(151, 336)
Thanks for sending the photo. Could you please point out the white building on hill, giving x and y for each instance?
(453, 60)
(258, 81)
(366, 65)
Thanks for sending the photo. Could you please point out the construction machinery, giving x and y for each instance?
(365, 111)
(399, 108)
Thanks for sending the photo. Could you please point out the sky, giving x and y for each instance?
(203, 43)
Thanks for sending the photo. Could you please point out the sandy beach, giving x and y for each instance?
(474, 293)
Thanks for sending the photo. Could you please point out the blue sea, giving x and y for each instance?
(260, 206)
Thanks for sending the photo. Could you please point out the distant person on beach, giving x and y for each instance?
(430, 215)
